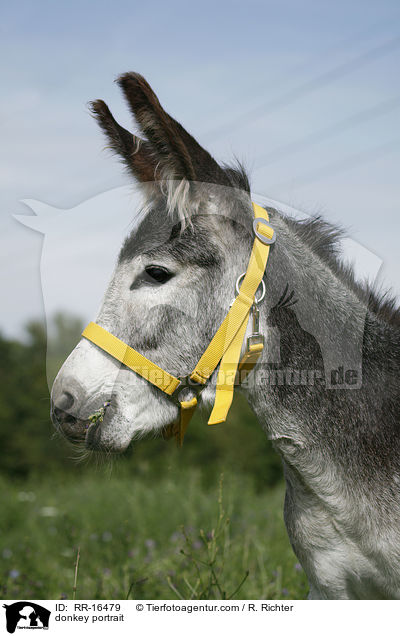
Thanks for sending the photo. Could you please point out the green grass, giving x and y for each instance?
(148, 539)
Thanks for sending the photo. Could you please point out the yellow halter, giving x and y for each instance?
(224, 348)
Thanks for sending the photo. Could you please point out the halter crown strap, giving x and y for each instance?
(224, 347)
(227, 342)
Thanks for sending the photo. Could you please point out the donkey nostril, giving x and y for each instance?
(65, 401)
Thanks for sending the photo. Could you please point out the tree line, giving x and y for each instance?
(29, 446)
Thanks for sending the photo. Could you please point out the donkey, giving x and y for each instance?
(337, 431)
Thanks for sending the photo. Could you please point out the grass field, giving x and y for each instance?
(166, 539)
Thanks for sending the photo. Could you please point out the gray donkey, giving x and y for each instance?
(326, 388)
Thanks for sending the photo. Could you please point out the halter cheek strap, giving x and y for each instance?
(224, 348)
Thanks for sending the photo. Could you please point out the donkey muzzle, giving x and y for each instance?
(67, 399)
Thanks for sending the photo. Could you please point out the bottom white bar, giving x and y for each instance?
(183, 617)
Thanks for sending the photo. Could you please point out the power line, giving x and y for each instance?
(330, 131)
(342, 165)
(307, 87)
(294, 70)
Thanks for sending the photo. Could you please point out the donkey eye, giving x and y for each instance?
(158, 274)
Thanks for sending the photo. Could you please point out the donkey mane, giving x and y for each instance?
(237, 176)
(324, 239)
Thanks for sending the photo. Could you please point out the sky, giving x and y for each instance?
(306, 94)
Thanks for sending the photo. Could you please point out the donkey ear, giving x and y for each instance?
(135, 152)
(177, 153)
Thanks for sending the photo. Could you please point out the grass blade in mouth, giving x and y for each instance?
(98, 416)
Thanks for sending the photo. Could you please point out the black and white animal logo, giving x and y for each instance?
(26, 615)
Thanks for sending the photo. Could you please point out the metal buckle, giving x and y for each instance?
(261, 237)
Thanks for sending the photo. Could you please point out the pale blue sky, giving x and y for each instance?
(306, 93)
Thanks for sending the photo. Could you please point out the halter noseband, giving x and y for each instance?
(224, 348)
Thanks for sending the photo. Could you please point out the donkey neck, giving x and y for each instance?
(339, 442)
(310, 393)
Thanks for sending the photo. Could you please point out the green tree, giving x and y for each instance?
(29, 445)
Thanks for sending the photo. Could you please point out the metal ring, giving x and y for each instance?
(187, 389)
(261, 237)
(256, 300)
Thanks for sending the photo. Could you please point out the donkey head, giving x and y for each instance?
(173, 282)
